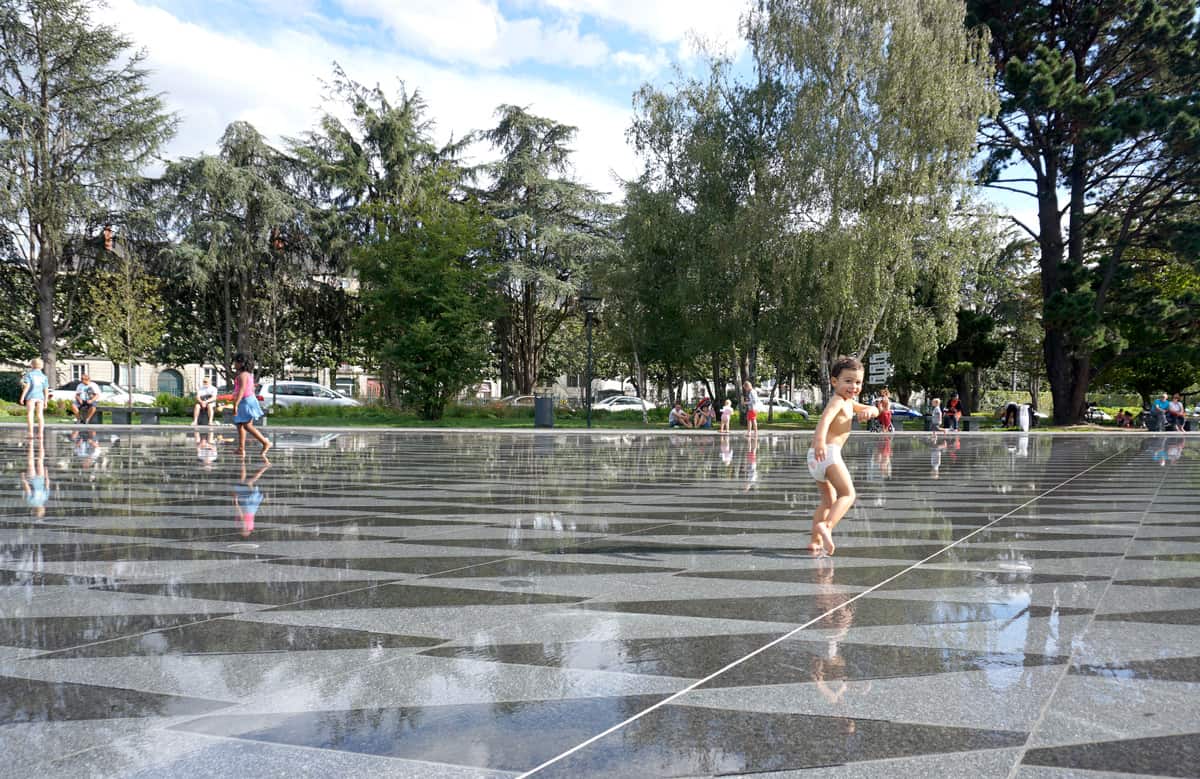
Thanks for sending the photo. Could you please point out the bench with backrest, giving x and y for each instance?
(123, 415)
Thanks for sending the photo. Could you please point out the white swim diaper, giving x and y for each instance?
(833, 454)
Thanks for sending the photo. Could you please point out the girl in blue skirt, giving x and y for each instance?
(248, 410)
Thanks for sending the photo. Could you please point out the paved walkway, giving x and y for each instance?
(487, 604)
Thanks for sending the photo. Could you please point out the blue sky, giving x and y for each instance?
(577, 61)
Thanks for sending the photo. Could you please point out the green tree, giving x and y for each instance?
(1100, 122)
(549, 233)
(885, 100)
(127, 313)
(241, 240)
(427, 305)
(77, 124)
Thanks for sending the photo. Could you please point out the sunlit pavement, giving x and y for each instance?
(478, 604)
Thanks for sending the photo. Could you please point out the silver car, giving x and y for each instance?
(301, 393)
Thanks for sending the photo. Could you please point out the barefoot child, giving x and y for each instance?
(825, 457)
(726, 414)
(35, 389)
(248, 409)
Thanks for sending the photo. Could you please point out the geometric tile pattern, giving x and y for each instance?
(554, 604)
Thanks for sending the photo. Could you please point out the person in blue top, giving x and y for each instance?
(1159, 407)
(34, 389)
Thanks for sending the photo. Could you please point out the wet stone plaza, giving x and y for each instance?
(468, 604)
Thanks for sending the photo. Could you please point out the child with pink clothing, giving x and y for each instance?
(726, 415)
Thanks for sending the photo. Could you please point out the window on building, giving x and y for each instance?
(124, 379)
(210, 373)
(77, 371)
(573, 380)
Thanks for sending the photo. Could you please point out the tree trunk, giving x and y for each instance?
(46, 332)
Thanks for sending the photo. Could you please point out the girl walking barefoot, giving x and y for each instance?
(248, 409)
(825, 462)
(35, 389)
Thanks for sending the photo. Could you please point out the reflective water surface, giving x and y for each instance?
(472, 604)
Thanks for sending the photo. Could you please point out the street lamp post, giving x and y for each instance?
(590, 304)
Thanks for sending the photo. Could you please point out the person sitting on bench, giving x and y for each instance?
(87, 393)
(206, 399)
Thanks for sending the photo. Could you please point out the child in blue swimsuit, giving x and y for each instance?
(34, 390)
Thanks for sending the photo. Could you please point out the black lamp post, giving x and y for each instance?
(590, 304)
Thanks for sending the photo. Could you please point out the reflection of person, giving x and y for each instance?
(248, 410)
(751, 463)
(247, 497)
(87, 393)
(34, 389)
(85, 448)
(726, 449)
(883, 456)
(35, 483)
(206, 399)
(206, 450)
(935, 458)
(829, 671)
(1174, 450)
(825, 462)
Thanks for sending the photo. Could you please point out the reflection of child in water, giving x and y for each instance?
(35, 484)
(247, 497)
(829, 670)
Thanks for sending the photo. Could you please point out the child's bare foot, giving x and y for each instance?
(266, 448)
(240, 452)
(815, 547)
(826, 538)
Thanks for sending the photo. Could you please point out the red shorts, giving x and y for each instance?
(751, 415)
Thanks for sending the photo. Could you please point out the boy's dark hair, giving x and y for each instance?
(845, 363)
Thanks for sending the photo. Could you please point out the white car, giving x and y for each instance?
(301, 393)
(622, 403)
(779, 406)
(110, 394)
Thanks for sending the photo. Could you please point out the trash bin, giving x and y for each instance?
(1024, 415)
(543, 411)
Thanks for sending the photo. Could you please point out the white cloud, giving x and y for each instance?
(273, 81)
(665, 21)
(476, 32)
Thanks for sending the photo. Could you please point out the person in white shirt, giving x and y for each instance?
(87, 393)
(206, 399)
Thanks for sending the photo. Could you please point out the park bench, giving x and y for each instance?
(123, 415)
(966, 421)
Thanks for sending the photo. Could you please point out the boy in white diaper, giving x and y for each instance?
(825, 461)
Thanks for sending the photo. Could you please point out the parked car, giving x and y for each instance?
(301, 393)
(622, 403)
(1097, 414)
(901, 411)
(780, 406)
(110, 394)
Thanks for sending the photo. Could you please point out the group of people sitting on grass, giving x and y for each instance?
(700, 417)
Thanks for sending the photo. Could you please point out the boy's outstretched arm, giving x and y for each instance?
(865, 411)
